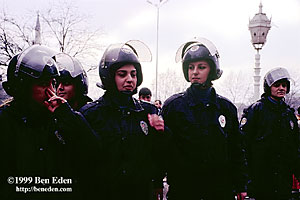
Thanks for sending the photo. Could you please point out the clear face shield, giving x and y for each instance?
(33, 60)
(70, 64)
(276, 74)
(140, 49)
(197, 41)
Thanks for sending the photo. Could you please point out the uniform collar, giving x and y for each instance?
(196, 95)
(273, 103)
(127, 103)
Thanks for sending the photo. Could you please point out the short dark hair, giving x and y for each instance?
(158, 101)
(145, 91)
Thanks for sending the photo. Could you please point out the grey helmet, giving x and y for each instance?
(117, 55)
(275, 75)
(70, 69)
(196, 50)
(33, 63)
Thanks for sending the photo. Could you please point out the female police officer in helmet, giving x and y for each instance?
(37, 136)
(272, 138)
(127, 130)
(28, 144)
(72, 83)
(205, 155)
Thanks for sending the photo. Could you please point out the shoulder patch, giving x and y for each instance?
(222, 121)
(144, 127)
(292, 124)
(243, 121)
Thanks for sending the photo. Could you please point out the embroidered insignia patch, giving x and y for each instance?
(292, 124)
(222, 121)
(144, 127)
(243, 121)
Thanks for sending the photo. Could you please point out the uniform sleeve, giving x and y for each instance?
(159, 146)
(84, 145)
(168, 115)
(7, 160)
(249, 119)
(248, 128)
(237, 154)
(74, 123)
(296, 132)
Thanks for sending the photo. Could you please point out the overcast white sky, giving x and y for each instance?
(225, 23)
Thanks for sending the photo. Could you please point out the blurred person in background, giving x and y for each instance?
(145, 94)
(158, 105)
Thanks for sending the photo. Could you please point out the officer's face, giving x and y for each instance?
(145, 97)
(125, 78)
(66, 90)
(39, 90)
(279, 89)
(157, 104)
(198, 71)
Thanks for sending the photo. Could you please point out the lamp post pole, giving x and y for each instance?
(156, 69)
(157, 5)
(259, 27)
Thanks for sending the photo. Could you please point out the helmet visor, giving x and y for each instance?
(137, 47)
(197, 41)
(33, 60)
(141, 49)
(276, 75)
(68, 63)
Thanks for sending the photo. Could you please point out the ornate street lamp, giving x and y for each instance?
(259, 27)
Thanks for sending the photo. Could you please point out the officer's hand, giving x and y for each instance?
(241, 196)
(156, 122)
(54, 101)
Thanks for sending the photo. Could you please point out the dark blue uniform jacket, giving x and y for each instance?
(42, 145)
(130, 148)
(206, 159)
(272, 138)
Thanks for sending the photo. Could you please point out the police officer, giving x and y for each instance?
(272, 139)
(32, 147)
(206, 159)
(158, 105)
(145, 95)
(72, 84)
(128, 132)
